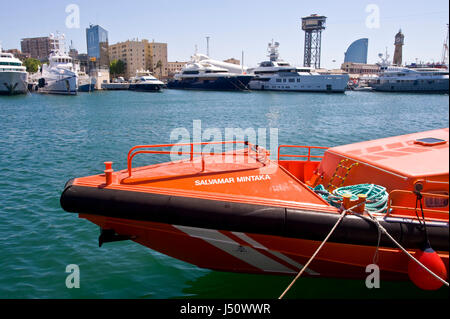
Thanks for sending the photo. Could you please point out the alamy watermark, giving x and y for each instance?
(73, 279)
(214, 140)
(373, 279)
(373, 19)
(73, 17)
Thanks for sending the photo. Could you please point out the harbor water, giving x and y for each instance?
(45, 140)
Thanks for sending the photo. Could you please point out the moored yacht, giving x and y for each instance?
(419, 80)
(59, 76)
(145, 81)
(278, 75)
(13, 75)
(202, 73)
(118, 84)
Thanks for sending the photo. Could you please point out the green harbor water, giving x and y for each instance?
(46, 140)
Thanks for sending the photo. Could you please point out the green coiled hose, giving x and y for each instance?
(377, 196)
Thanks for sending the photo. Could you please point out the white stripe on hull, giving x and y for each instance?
(247, 254)
(255, 244)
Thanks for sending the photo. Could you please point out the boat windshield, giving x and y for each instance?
(190, 72)
(11, 63)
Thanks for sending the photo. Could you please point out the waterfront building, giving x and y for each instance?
(174, 67)
(97, 46)
(83, 60)
(357, 51)
(141, 55)
(233, 61)
(158, 53)
(38, 48)
(357, 69)
(98, 54)
(399, 41)
(73, 53)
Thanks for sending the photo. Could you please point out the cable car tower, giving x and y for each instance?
(445, 50)
(313, 26)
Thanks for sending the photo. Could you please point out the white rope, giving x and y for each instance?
(379, 227)
(372, 218)
(318, 249)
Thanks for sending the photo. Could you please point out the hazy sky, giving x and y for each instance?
(239, 25)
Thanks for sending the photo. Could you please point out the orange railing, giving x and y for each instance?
(309, 148)
(132, 153)
(408, 211)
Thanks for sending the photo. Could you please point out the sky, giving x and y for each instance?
(239, 25)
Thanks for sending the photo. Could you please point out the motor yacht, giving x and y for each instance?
(13, 75)
(418, 80)
(278, 75)
(202, 73)
(144, 81)
(59, 76)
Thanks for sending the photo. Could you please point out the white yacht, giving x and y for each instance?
(59, 76)
(116, 85)
(279, 75)
(403, 79)
(202, 73)
(13, 75)
(145, 81)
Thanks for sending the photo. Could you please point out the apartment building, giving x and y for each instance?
(360, 68)
(141, 55)
(233, 61)
(38, 48)
(174, 67)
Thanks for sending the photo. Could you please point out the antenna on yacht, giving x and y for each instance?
(207, 46)
(242, 62)
(273, 51)
(384, 58)
(196, 49)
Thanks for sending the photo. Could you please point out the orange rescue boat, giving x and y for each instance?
(240, 211)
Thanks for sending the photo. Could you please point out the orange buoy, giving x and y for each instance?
(422, 278)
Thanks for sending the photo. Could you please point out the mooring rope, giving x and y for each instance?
(377, 196)
(319, 248)
(379, 226)
(377, 223)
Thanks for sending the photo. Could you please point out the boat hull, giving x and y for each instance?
(145, 87)
(12, 83)
(228, 83)
(250, 238)
(63, 85)
(243, 252)
(424, 86)
(245, 217)
(309, 83)
(86, 88)
(115, 86)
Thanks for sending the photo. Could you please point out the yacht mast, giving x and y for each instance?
(207, 46)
